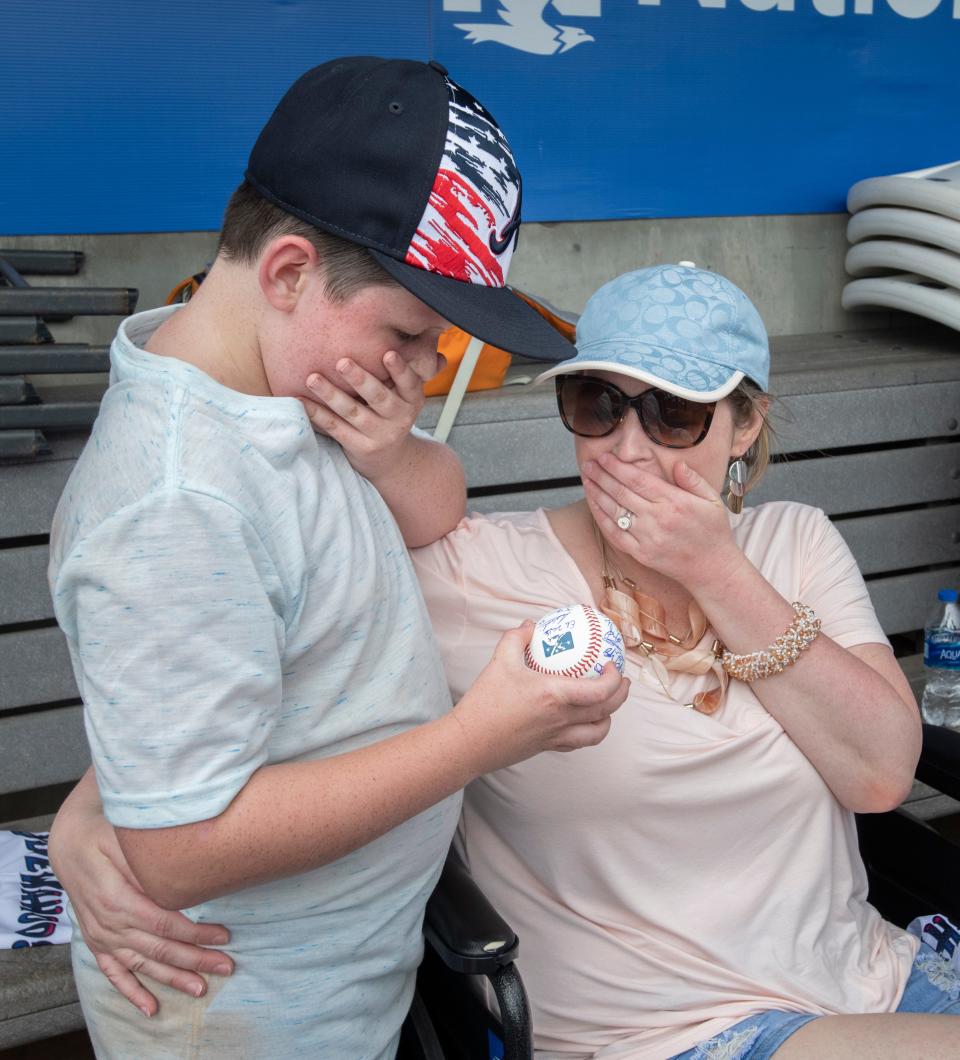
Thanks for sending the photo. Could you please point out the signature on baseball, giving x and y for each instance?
(574, 641)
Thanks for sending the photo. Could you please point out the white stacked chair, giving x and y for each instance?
(905, 231)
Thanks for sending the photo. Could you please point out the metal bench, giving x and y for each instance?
(868, 430)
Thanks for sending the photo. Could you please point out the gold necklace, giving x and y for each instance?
(641, 620)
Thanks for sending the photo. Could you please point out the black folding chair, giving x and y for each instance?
(467, 943)
(913, 869)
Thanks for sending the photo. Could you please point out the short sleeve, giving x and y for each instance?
(174, 616)
(831, 583)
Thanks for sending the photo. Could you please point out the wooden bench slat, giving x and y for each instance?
(931, 807)
(38, 998)
(856, 359)
(879, 415)
(525, 450)
(899, 540)
(48, 747)
(526, 500)
(857, 482)
(35, 665)
(903, 601)
(30, 491)
(23, 575)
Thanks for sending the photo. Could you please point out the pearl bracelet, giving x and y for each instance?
(784, 651)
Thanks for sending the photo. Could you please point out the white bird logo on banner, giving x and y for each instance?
(524, 27)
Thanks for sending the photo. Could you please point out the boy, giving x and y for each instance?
(269, 723)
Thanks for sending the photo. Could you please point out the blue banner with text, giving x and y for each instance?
(139, 117)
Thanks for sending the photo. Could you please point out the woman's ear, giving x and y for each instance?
(286, 265)
(745, 435)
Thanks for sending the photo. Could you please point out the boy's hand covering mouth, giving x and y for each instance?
(372, 423)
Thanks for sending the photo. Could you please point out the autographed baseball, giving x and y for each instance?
(574, 641)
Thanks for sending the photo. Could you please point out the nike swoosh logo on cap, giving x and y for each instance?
(498, 244)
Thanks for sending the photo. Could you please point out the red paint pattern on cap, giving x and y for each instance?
(457, 249)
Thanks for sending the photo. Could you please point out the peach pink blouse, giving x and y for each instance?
(690, 870)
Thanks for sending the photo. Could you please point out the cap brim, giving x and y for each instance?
(585, 364)
(494, 314)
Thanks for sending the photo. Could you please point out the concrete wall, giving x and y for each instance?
(153, 262)
(792, 266)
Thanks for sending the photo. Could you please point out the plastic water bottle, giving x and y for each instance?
(940, 704)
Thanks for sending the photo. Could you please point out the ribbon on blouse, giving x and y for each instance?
(641, 621)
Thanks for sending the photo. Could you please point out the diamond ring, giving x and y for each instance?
(625, 519)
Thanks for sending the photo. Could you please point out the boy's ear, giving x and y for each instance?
(286, 265)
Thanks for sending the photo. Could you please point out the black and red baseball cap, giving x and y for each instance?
(393, 155)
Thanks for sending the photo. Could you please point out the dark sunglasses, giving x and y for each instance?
(593, 408)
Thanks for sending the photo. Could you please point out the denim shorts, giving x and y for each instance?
(933, 986)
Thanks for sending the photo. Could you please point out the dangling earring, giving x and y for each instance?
(737, 474)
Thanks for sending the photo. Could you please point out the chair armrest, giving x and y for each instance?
(463, 927)
(939, 764)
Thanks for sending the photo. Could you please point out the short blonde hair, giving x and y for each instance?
(748, 400)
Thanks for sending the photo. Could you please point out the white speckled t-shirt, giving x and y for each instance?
(235, 595)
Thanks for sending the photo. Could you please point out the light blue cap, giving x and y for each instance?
(677, 327)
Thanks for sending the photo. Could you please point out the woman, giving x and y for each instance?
(691, 887)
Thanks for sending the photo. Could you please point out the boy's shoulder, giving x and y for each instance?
(159, 431)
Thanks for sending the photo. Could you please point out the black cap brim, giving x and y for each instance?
(494, 314)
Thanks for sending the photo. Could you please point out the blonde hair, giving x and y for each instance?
(748, 400)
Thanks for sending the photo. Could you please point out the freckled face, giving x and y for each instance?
(319, 332)
(630, 443)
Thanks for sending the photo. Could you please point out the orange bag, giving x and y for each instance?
(187, 288)
(493, 362)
